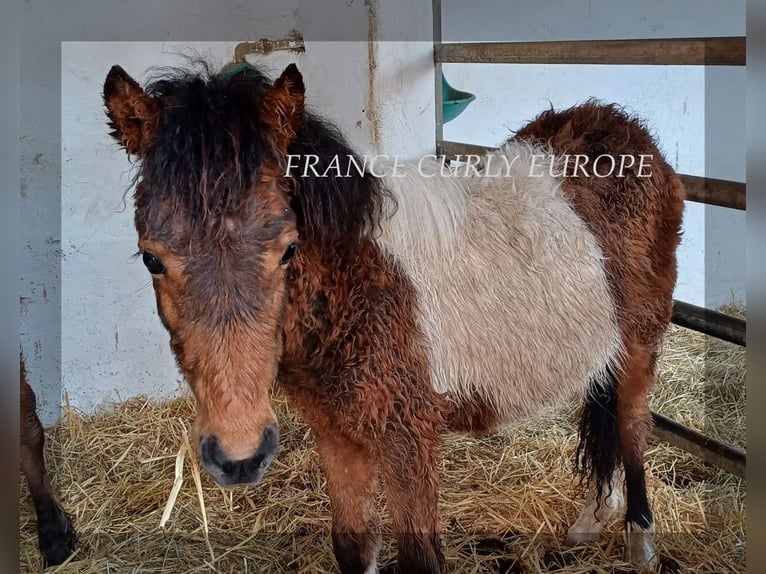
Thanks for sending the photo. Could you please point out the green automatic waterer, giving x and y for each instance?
(454, 101)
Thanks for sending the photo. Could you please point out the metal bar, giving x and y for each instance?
(712, 451)
(438, 99)
(722, 51)
(710, 322)
(700, 189)
(715, 191)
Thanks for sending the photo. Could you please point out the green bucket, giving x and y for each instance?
(453, 101)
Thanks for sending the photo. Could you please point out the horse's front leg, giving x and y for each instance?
(352, 485)
(409, 462)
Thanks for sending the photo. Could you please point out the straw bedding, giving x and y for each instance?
(506, 500)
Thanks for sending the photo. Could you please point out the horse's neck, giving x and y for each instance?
(322, 281)
(305, 316)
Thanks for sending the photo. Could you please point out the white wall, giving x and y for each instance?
(381, 96)
(403, 77)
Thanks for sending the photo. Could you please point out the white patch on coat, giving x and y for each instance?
(513, 298)
(597, 514)
(372, 568)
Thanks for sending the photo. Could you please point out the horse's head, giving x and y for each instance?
(216, 233)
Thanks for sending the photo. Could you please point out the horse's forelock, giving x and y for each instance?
(209, 146)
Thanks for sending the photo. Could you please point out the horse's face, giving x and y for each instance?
(216, 234)
(222, 305)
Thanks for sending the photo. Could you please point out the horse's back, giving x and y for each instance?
(531, 283)
(635, 215)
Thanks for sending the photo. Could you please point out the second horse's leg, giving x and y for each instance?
(54, 527)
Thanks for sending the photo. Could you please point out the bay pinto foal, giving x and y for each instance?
(395, 310)
(55, 532)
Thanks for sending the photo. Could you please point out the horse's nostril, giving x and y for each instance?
(250, 470)
(270, 438)
(211, 452)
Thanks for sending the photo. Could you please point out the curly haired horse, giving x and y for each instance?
(395, 309)
(55, 532)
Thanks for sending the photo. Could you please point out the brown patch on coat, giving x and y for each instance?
(636, 220)
(474, 416)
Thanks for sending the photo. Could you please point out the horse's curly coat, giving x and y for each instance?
(410, 308)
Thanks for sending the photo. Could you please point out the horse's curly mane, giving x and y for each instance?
(211, 141)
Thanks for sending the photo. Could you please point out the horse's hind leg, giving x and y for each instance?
(54, 527)
(635, 426)
(352, 485)
(615, 426)
(600, 508)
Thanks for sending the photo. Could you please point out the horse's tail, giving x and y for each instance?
(598, 450)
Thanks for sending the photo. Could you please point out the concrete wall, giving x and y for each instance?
(380, 93)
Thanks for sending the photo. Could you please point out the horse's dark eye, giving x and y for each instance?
(289, 254)
(153, 264)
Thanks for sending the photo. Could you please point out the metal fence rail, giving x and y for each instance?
(726, 51)
(713, 323)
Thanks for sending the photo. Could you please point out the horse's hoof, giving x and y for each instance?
(641, 547)
(56, 536)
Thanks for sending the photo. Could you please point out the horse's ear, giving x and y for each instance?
(282, 106)
(132, 112)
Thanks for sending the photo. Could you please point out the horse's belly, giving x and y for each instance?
(520, 337)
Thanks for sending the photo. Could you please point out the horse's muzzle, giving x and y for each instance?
(227, 472)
